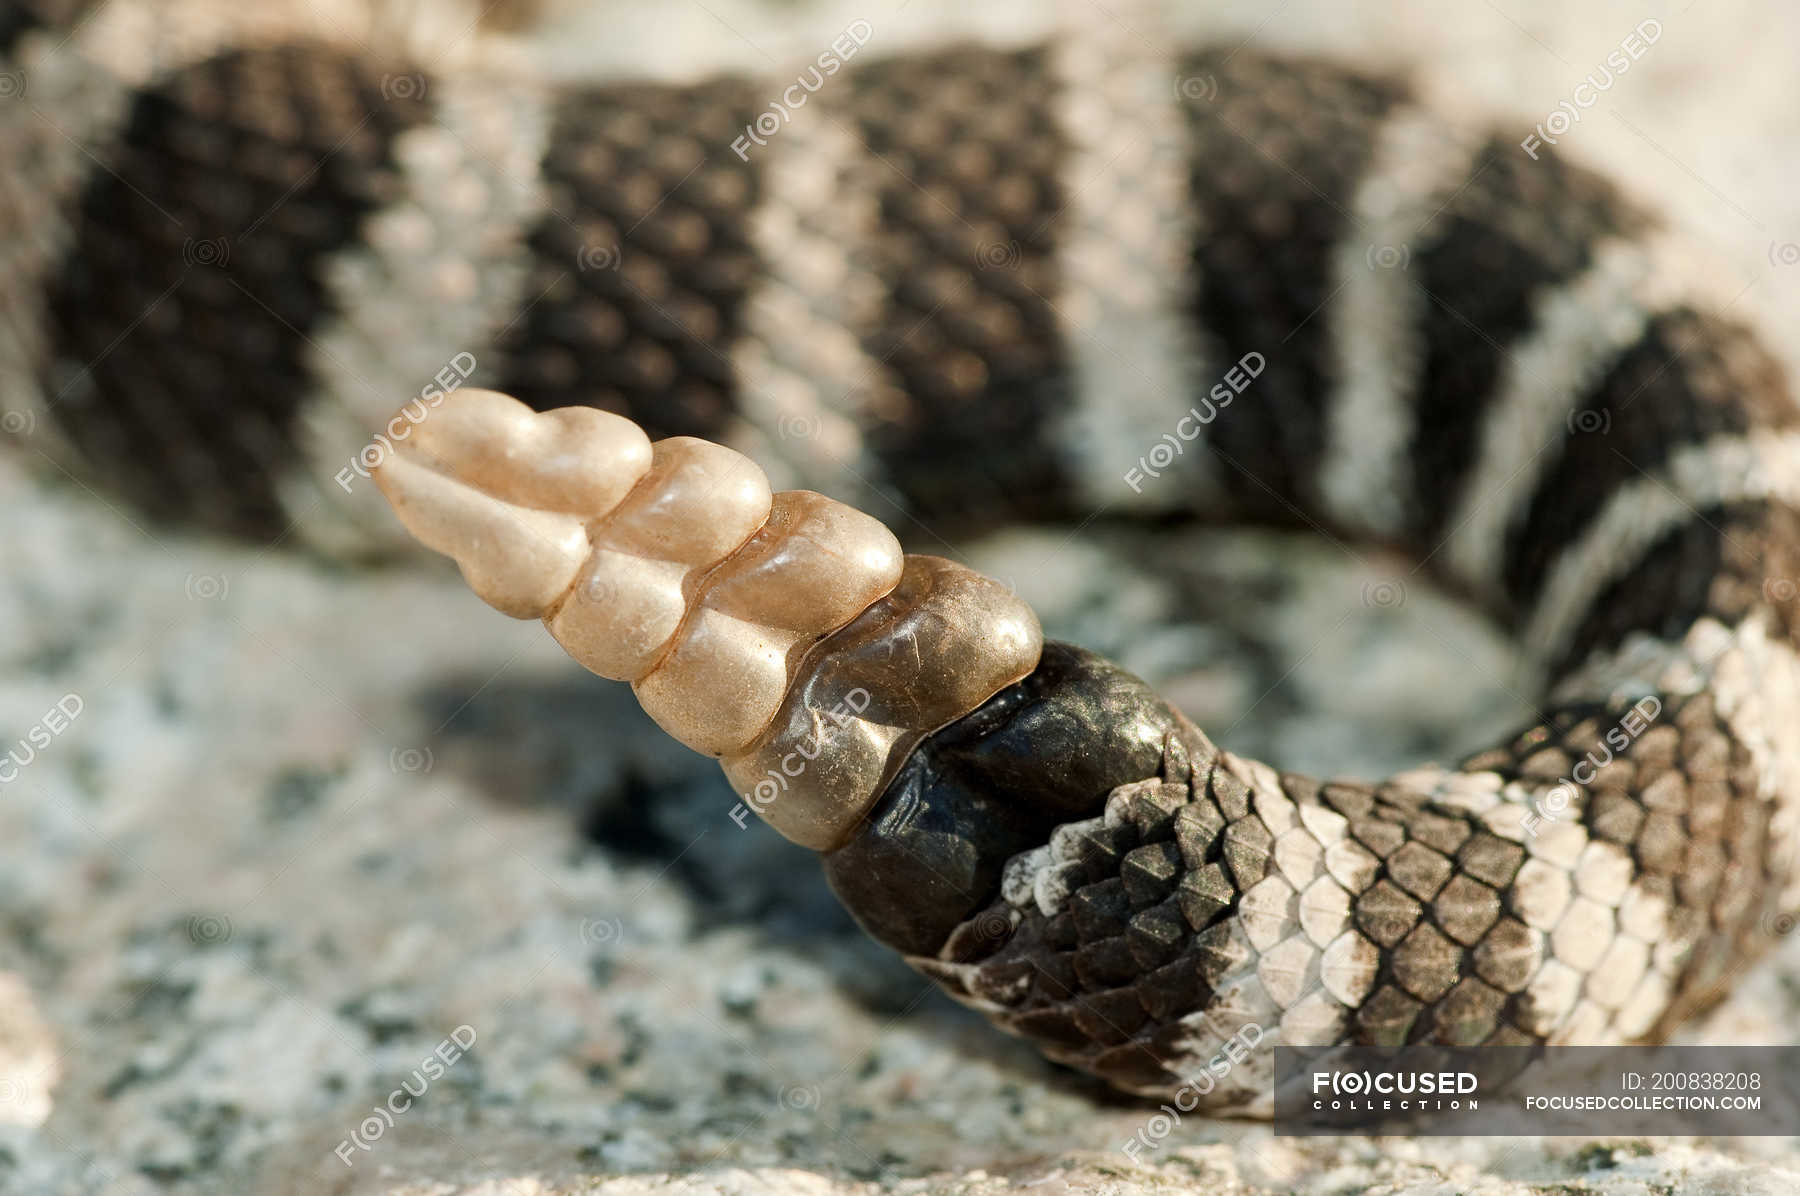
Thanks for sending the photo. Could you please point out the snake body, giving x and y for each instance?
(976, 285)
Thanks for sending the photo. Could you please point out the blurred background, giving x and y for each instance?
(301, 825)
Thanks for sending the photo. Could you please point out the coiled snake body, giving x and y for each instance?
(962, 287)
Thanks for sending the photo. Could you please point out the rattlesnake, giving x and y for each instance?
(960, 287)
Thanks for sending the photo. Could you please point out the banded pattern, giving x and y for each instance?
(641, 263)
(1690, 378)
(907, 294)
(1420, 167)
(1517, 231)
(1276, 153)
(196, 261)
(635, 269)
(1126, 232)
(1725, 562)
(434, 280)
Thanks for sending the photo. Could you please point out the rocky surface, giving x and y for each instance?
(310, 827)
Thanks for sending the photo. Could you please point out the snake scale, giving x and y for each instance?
(959, 287)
